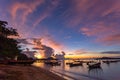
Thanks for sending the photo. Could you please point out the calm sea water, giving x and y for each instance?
(106, 72)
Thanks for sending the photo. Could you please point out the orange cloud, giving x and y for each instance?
(77, 52)
(80, 51)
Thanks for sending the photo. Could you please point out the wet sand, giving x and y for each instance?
(19, 72)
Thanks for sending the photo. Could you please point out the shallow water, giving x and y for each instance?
(106, 72)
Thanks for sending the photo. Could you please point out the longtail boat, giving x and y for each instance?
(75, 64)
(94, 65)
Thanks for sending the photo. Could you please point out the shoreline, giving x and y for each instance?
(20, 72)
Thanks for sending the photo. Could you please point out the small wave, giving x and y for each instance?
(79, 74)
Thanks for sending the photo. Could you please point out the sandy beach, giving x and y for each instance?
(19, 72)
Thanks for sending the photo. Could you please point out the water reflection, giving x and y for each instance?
(106, 71)
(97, 72)
(109, 62)
(42, 65)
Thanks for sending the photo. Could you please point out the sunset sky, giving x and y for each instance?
(73, 26)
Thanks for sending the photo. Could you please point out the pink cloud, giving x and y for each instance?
(105, 33)
(26, 7)
(111, 39)
(20, 11)
(82, 11)
(100, 28)
(78, 51)
(96, 18)
(77, 12)
(48, 40)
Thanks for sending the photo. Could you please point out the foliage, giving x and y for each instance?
(8, 46)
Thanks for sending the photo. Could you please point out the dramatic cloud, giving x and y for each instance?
(45, 51)
(29, 53)
(48, 40)
(63, 22)
(17, 13)
(24, 15)
(36, 48)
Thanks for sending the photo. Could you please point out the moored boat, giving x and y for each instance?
(94, 65)
(75, 64)
(67, 63)
(52, 62)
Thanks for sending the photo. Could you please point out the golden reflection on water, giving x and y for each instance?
(37, 64)
(63, 66)
(105, 72)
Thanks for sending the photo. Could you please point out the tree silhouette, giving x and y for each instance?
(8, 46)
(7, 31)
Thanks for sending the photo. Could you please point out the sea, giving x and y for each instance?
(109, 71)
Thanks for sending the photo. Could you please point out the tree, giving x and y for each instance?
(8, 46)
(7, 31)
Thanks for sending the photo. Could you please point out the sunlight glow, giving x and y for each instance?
(91, 55)
(38, 56)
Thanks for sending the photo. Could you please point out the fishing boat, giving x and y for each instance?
(94, 65)
(75, 64)
(53, 63)
(67, 63)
